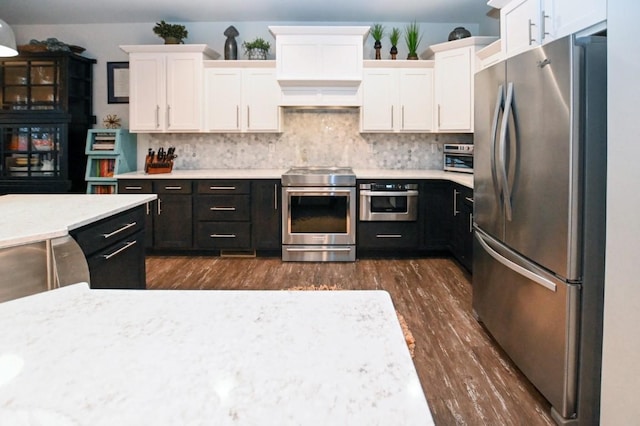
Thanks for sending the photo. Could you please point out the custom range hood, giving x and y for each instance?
(319, 65)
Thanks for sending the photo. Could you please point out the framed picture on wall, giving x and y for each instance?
(118, 82)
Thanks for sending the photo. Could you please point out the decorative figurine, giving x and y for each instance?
(230, 45)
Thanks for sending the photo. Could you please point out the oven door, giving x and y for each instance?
(388, 205)
(318, 216)
(458, 162)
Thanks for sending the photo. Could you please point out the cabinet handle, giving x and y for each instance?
(173, 188)
(222, 188)
(388, 235)
(469, 199)
(148, 209)
(222, 235)
(248, 117)
(392, 116)
(471, 222)
(455, 202)
(438, 115)
(237, 117)
(158, 207)
(543, 24)
(133, 188)
(402, 112)
(531, 39)
(120, 250)
(117, 231)
(157, 116)
(275, 196)
(223, 209)
(168, 116)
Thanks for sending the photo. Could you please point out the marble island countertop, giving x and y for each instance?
(28, 218)
(74, 356)
(465, 179)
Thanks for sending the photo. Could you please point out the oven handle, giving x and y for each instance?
(410, 193)
(319, 191)
(319, 249)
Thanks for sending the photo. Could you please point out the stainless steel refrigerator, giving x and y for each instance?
(539, 217)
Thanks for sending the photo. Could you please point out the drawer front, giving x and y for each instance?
(382, 235)
(223, 207)
(135, 186)
(176, 186)
(120, 265)
(99, 235)
(224, 186)
(223, 235)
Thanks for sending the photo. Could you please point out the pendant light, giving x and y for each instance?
(7, 40)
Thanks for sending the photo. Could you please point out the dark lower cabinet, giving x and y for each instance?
(266, 214)
(461, 244)
(436, 203)
(139, 186)
(114, 248)
(172, 222)
(388, 235)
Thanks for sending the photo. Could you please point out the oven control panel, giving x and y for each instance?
(389, 186)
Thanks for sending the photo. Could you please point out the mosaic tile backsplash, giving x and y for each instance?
(318, 137)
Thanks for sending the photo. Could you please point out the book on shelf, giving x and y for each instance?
(105, 167)
(103, 146)
(104, 189)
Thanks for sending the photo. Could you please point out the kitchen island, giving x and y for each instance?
(96, 357)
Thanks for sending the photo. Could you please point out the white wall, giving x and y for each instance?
(102, 42)
(621, 353)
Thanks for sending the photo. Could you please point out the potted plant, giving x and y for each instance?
(171, 33)
(413, 38)
(256, 49)
(394, 37)
(377, 32)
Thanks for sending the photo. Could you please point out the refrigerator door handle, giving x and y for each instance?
(506, 192)
(514, 266)
(494, 136)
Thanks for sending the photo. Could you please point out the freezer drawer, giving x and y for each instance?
(533, 317)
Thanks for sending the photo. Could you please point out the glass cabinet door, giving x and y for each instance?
(28, 85)
(32, 152)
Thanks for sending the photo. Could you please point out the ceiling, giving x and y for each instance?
(56, 12)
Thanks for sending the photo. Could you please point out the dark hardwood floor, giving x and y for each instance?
(467, 379)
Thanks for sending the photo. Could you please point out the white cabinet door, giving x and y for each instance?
(223, 98)
(184, 92)
(520, 26)
(261, 97)
(379, 100)
(416, 99)
(564, 17)
(146, 92)
(454, 89)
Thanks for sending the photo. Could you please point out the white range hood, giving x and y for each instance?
(319, 65)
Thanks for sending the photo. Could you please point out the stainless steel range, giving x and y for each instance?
(319, 214)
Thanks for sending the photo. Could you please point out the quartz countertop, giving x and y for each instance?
(465, 179)
(74, 356)
(28, 218)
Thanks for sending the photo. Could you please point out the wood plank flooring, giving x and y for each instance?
(467, 379)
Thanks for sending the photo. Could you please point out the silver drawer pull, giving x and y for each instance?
(469, 199)
(388, 235)
(133, 188)
(223, 188)
(117, 231)
(120, 250)
(222, 235)
(222, 209)
(173, 188)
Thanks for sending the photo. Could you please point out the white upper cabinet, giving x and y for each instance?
(166, 85)
(520, 26)
(398, 99)
(241, 99)
(564, 17)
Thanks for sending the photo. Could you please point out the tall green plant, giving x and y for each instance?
(377, 32)
(413, 38)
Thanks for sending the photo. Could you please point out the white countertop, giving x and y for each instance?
(465, 179)
(74, 356)
(28, 218)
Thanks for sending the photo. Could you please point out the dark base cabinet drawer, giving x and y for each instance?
(383, 235)
(223, 235)
(97, 236)
(223, 208)
(119, 266)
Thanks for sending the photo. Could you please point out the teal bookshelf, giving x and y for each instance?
(109, 152)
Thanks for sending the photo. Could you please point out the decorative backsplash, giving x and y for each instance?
(310, 137)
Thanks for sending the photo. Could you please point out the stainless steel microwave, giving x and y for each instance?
(458, 157)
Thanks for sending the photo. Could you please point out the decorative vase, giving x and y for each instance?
(458, 33)
(394, 52)
(412, 56)
(171, 40)
(377, 45)
(259, 54)
(230, 44)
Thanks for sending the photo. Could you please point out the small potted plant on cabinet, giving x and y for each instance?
(256, 49)
(413, 37)
(394, 37)
(377, 32)
(171, 33)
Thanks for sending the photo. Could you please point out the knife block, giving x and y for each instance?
(153, 166)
